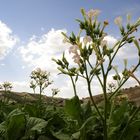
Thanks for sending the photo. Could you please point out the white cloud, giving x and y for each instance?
(66, 88)
(110, 40)
(38, 52)
(2, 64)
(20, 86)
(128, 51)
(7, 40)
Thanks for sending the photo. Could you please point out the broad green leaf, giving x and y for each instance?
(119, 113)
(15, 127)
(76, 135)
(132, 130)
(3, 129)
(35, 125)
(86, 108)
(31, 110)
(87, 122)
(61, 136)
(73, 108)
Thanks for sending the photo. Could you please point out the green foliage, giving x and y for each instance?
(73, 109)
(34, 127)
(10, 128)
(113, 119)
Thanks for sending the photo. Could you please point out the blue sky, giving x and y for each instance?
(28, 19)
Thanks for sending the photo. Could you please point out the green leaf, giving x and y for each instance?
(3, 129)
(35, 125)
(15, 127)
(87, 111)
(76, 135)
(87, 122)
(73, 108)
(119, 113)
(61, 136)
(132, 130)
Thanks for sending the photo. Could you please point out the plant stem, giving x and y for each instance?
(105, 109)
(73, 84)
(99, 79)
(105, 100)
(114, 93)
(40, 91)
(90, 94)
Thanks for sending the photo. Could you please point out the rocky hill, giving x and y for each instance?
(132, 93)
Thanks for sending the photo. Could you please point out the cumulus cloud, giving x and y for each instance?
(7, 40)
(128, 51)
(124, 51)
(66, 88)
(38, 52)
(110, 40)
(20, 86)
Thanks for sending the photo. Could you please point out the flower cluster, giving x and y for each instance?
(40, 78)
(93, 13)
(7, 86)
(74, 49)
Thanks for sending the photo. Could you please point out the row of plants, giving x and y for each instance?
(111, 119)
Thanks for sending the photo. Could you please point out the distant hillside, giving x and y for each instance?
(24, 97)
(132, 93)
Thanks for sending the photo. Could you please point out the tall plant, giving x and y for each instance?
(40, 78)
(95, 58)
(7, 86)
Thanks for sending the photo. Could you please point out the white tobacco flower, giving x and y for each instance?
(93, 13)
(118, 21)
(103, 43)
(73, 49)
(38, 70)
(87, 39)
(76, 58)
(104, 35)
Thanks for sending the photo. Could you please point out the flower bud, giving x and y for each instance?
(128, 17)
(106, 22)
(83, 11)
(103, 43)
(87, 39)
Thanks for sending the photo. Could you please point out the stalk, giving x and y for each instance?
(114, 93)
(73, 84)
(40, 91)
(90, 94)
(105, 111)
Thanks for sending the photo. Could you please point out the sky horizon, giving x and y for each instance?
(30, 36)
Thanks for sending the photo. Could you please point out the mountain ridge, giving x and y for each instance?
(132, 93)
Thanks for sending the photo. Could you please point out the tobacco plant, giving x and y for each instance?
(94, 58)
(40, 78)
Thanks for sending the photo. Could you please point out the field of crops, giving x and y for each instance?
(115, 116)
